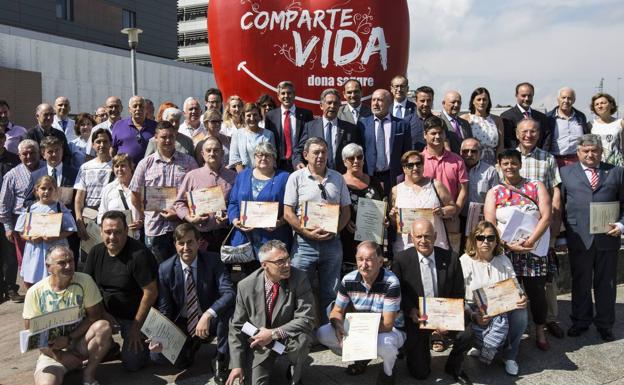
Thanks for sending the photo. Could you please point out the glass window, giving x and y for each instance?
(128, 19)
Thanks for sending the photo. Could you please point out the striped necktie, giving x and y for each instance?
(594, 178)
(192, 304)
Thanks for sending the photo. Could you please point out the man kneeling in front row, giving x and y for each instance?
(89, 341)
(373, 289)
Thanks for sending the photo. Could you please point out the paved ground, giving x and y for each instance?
(571, 361)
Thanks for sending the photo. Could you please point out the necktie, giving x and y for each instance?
(287, 137)
(192, 304)
(355, 115)
(594, 178)
(330, 145)
(427, 278)
(380, 145)
(64, 124)
(457, 129)
(397, 111)
(271, 302)
(527, 115)
(54, 175)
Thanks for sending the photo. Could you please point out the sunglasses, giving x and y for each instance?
(483, 238)
(352, 158)
(469, 151)
(412, 165)
(139, 138)
(323, 191)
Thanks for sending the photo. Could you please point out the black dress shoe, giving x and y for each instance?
(461, 378)
(15, 297)
(576, 330)
(220, 370)
(606, 334)
(554, 329)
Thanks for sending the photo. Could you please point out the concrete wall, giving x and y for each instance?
(88, 73)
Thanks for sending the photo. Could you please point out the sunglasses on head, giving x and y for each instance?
(412, 165)
(489, 238)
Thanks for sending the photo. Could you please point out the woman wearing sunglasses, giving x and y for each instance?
(483, 264)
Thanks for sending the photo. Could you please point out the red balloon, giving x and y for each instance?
(316, 44)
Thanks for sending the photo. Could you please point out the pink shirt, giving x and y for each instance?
(449, 169)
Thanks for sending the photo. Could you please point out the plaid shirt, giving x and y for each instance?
(15, 186)
(155, 171)
(539, 165)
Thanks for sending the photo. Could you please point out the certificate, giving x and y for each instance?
(159, 198)
(43, 225)
(159, 328)
(475, 215)
(601, 214)
(369, 222)
(66, 195)
(54, 318)
(405, 218)
(499, 297)
(89, 214)
(93, 230)
(360, 340)
(441, 313)
(259, 214)
(206, 200)
(520, 226)
(323, 215)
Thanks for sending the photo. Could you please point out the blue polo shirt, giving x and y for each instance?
(128, 140)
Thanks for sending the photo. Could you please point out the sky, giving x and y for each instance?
(465, 44)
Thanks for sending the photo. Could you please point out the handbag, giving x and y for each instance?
(236, 254)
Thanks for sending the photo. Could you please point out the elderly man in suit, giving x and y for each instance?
(386, 139)
(276, 299)
(336, 132)
(353, 110)
(522, 110)
(428, 271)
(457, 129)
(402, 107)
(593, 257)
(195, 292)
(286, 123)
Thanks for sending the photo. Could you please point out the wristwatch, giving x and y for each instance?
(275, 335)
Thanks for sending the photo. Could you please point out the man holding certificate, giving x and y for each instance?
(164, 168)
(316, 204)
(593, 255)
(428, 271)
(369, 289)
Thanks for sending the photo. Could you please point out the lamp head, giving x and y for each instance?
(133, 36)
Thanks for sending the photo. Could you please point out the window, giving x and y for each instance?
(128, 19)
(65, 9)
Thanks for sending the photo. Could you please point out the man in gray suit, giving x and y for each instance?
(354, 110)
(593, 257)
(457, 129)
(277, 299)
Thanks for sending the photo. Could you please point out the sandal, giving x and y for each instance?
(357, 368)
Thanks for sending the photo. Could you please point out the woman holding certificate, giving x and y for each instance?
(419, 192)
(45, 224)
(527, 200)
(259, 184)
(483, 264)
(245, 140)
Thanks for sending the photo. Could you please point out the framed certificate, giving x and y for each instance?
(259, 214)
(369, 221)
(441, 313)
(206, 200)
(159, 198)
(323, 215)
(405, 218)
(159, 328)
(360, 341)
(601, 214)
(66, 195)
(43, 225)
(95, 237)
(499, 297)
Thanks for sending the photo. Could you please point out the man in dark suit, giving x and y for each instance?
(424, 102)
(401, 107)
(593, 257)
(354, 110)
(287, 124)
(386, 139)
(524, 98)
(337, 133)
(45, 116)
(195, 292)
(457, 129)
(277, 300)
(427, 271)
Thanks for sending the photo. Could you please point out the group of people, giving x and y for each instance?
(95, 171)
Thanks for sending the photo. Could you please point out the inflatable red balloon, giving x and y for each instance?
(316, 44)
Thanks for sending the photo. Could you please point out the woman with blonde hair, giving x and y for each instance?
(232, 115)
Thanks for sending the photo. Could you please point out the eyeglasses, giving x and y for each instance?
(469, 151)
(352, 158)
(412, 165)
(323, 191)
(215, 121)
(280, 262)
(483, 238)
(260, 156)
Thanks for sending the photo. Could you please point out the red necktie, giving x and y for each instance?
(287, 137)
(594, 178)
(271, 302)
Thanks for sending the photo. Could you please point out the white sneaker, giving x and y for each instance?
(511, 367)
(474, 352)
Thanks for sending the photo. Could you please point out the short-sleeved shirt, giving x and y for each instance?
(303, 187)
(540, 165)
(383, 296)
(92, 177)
(483, 177)
(41, 298)
(154, 171)
(449, 169)
(121, 278)
(127, 139)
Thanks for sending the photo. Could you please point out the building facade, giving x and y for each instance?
(193, 32)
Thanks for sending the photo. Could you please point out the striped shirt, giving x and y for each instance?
(383, 297)
(16, 184)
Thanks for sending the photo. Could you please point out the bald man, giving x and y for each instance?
(62, 121)
(568, 124)
(113, 107)
(44, 113)
(457, 129)
(131, 135)
(386, 138)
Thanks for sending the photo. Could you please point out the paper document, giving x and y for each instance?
(441, 313)
(251, 331)
(360, 341)
(369, 220)
(161, 329)
(601, 214)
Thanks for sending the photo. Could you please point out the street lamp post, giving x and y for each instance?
(618, 96)
(133, 42)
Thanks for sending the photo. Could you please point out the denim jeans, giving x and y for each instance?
(130, 360)
(324, 256)
(517, 324)
(161, 246)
